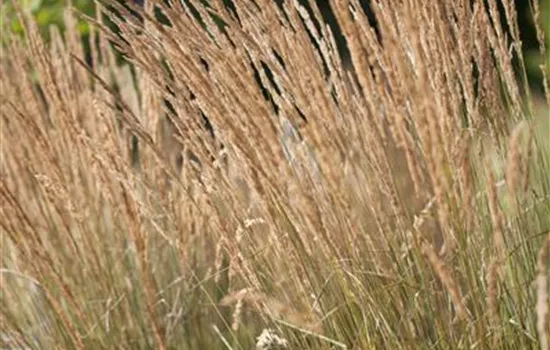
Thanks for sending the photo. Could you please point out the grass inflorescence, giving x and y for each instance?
(240, 181)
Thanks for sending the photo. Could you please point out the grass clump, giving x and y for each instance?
(241, 185)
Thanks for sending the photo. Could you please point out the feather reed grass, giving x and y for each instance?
(216, 173)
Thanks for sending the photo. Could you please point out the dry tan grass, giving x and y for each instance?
(350, 206)
(542, 293)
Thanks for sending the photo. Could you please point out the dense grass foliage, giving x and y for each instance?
(237, 185)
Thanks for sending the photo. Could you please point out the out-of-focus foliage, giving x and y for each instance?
(532, 55)
(46, 12)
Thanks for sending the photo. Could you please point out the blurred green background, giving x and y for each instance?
(46, 12)
(50, 12)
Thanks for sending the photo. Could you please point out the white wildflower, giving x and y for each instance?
(270, 340)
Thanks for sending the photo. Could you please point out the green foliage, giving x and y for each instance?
(46, 13)
(533, 59)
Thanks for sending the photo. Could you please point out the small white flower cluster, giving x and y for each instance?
(270, 340)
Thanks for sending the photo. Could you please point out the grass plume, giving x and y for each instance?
(238, 174)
